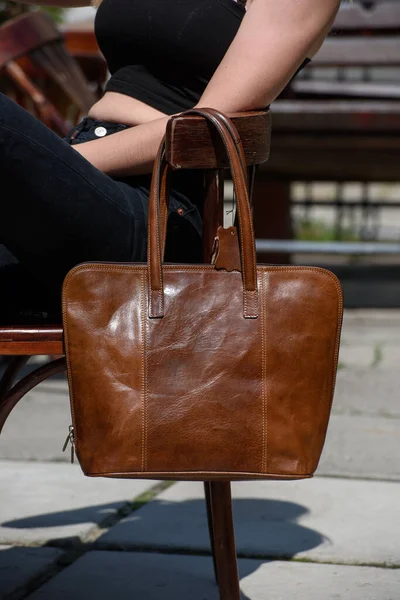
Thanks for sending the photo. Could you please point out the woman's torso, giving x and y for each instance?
(171, 47)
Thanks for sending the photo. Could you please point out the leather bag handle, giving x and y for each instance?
(165, 181)
(158, 201)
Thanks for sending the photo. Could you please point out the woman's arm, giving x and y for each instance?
(273, 40)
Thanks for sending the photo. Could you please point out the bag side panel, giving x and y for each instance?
(303, 312)
(104, 331)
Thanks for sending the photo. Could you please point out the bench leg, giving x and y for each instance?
(272, 216)
(219, 511)
(207, 492)
(10, 374)
(25, 385)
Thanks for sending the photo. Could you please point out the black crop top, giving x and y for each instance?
(164, 52)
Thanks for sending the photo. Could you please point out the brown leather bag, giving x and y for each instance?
(197, 372)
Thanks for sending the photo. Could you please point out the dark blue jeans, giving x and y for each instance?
(57, 210)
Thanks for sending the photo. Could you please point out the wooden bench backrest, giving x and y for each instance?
(33, 39)
(363, 36)
(378, 16)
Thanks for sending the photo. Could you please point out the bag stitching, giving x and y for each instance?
(263, 379)
(69, 371)
(222, 475)
(189, 268)
(144, 372)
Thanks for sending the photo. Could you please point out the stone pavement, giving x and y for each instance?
(65, 536)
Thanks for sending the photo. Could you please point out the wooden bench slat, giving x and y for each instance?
(359, 51)
(306, 156)
(341, 89)
(31, 340)
(365, 117)
(16, 39)
(383, 15)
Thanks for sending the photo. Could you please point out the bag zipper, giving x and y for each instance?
(70, 439)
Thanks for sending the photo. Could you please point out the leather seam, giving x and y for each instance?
(232, 475)
(187, 269)
(263, 378)
(144, 375)
(69, 371)
(160, 180)
(337, 345)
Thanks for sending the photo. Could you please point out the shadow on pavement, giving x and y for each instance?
(265, 529)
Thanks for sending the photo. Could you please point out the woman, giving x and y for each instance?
(85, 198)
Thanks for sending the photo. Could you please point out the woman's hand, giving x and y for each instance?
(128, 152)
(273, 40)
(87, 152)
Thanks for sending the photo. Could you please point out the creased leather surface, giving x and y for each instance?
(202, 393)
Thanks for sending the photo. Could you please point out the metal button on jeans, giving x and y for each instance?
(100, 131)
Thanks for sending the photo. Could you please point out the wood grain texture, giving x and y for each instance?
(192, 143)
(31, 341)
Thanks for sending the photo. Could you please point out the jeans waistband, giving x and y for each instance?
(91, 129)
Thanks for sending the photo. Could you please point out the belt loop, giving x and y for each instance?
(78, 129)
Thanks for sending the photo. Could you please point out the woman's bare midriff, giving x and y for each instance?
(118, 108)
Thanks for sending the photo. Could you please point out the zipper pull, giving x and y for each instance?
(70, 439)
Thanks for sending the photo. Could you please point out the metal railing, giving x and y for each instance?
(338, 248)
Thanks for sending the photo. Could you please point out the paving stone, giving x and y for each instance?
(359, 446)
(380, 354)
(322, 519)
(20, 565)
(373, 392)
(356, 356)
(44, 501)
(390, 357)
(38, 425)
(371, 326)
(131, 576)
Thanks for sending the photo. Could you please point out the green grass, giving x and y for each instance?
(313, 230)
(378, 354)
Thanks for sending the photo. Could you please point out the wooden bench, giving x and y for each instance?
(338, 129)
(38, 71)
(190, 145)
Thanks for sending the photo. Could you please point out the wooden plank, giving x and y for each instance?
(31, 349)
(359, 51)
(336, 143)
(25, 33)
(308, 157)
(357, 89)
(322, 116)
(381, 15)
